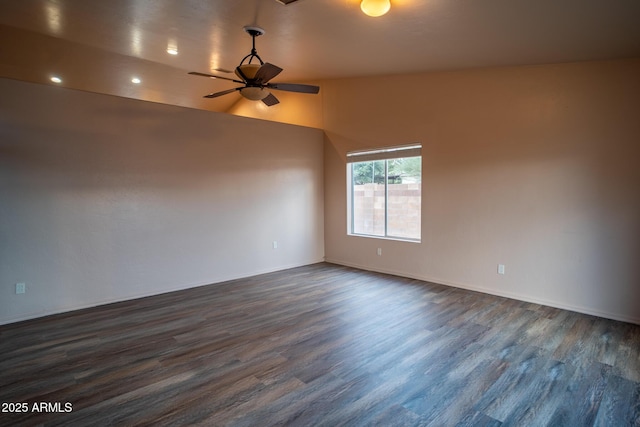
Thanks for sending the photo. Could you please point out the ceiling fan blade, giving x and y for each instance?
(224, 92)
(266, 72)
(270, 100)
(293, 87)
(195, 73)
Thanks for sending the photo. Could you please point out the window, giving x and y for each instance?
(385, 192)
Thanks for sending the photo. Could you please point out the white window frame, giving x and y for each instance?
(386, 153)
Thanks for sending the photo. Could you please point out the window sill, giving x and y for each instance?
(396, 239)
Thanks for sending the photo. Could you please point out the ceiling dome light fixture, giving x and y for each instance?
(254, 93)
(375, 8)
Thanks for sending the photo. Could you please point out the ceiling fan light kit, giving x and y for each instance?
(254, 93)
(256, 76)
(375, 8)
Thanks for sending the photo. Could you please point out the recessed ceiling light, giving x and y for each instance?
(136, 80)
(56, 79)
(172, 51)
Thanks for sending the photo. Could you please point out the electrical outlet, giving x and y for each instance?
(379, 251)
(275, 244)
(500, 268)
(21, 288)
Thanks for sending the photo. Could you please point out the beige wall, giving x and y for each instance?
(105, 199)
(537, 168)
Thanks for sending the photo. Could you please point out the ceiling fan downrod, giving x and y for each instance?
(253, 32)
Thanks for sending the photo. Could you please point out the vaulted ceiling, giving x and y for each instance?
(100, 45)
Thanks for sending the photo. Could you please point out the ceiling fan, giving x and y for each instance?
(255, 77)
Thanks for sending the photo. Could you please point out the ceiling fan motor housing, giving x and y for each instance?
(247, 71)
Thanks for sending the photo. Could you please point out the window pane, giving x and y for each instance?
(404, 197)
(368, 197)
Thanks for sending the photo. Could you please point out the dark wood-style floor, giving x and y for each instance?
(323, 345)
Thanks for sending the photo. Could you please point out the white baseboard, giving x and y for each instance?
(519, 297)
(222, 279)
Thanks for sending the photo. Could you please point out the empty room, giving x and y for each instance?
(319, 213)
